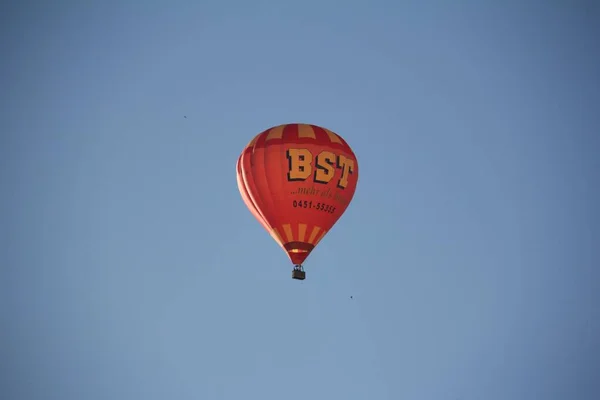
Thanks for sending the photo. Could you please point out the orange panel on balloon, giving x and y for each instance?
(297, 180)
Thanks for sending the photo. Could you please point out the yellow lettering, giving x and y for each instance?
(325, 167)
(300, 166)
(347, 166)
(299, 162)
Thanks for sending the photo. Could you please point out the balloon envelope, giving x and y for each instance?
(297, 180)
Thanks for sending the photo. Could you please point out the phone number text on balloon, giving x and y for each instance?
(316, 206)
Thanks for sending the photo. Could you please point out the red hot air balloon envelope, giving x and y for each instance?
(297, 180)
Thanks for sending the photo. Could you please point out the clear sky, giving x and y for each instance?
(131, 269)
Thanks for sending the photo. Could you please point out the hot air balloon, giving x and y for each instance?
(297, 180)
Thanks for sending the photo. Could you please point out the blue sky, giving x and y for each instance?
(131, 269)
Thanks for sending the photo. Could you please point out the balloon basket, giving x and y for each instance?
(298, 273)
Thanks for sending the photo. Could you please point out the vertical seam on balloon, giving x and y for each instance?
(277, 237)
(320, 133)
(276, 231)
(249, 175)
(282, 163)
(270, 204)
(244, 193)
(260, 199)
(246, 198)
(252, 204)
(334, 138)
(245, 178)
(267, 201)
(301, 232)
(313, 234)
(306, 131)
(287, 229)
(275, 133)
